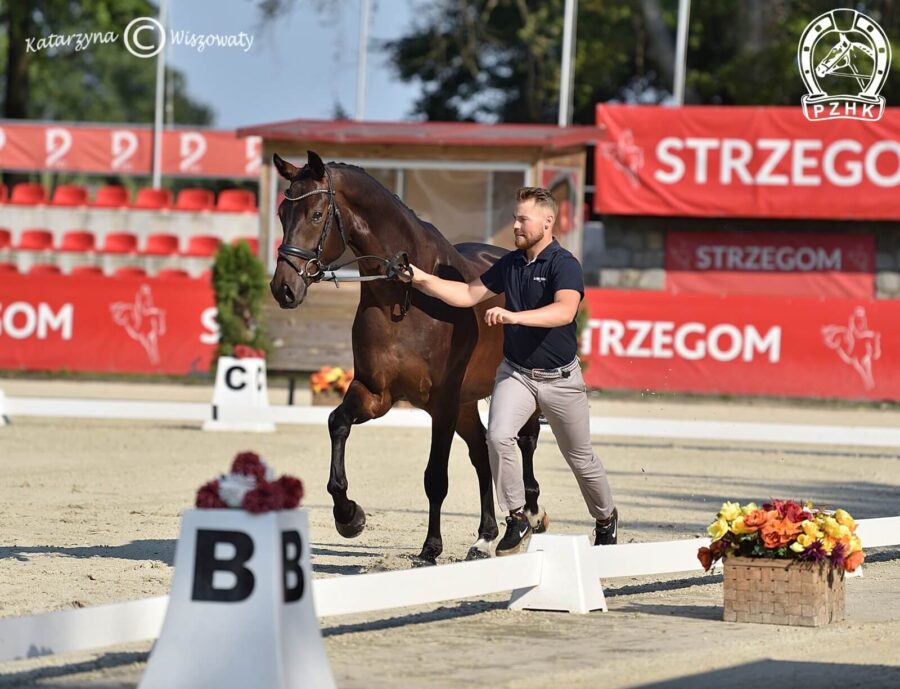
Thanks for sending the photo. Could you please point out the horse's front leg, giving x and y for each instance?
(443, 425)
(358, 406)
(527, 442)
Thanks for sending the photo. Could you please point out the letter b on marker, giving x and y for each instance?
(206, 565)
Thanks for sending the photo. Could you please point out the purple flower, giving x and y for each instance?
(814, 552)
(838, 555)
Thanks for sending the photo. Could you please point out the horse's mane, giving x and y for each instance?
(411, 216)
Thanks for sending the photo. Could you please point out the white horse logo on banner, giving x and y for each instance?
(855, 344)
(860, 59)
(142, 321)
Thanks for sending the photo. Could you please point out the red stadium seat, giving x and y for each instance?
(4, 193)
(153, 199)
(70, 195)
(161, 245)
(172, 274)
(28, 194)
(86, 270)
(195, 200)
(44, 269)
(35, 240)
(120, 243)
(5, 238)
(78, 240)
(202, 245)
(252, 242)
(9, 268)
(130, 272)
(236, 201)
(112, 196)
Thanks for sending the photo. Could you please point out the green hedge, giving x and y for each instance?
(240, 283)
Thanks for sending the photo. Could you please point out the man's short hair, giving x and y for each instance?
(541, 197)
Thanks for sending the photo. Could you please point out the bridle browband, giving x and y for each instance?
(394, 266)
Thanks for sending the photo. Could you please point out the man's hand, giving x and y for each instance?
(500, 316)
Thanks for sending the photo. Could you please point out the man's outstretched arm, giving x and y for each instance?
(454, 293)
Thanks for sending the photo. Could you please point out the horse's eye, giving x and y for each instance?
(317, 215)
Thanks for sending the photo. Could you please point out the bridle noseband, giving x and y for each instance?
(314, 271)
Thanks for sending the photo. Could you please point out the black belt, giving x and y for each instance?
(546, 373)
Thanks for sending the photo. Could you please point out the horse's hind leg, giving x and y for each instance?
(471, 430)
(359, 405)
(527, 442)
(443, 424)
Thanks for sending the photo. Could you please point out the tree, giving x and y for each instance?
(500, 59)
(239, 280)
(102, 83)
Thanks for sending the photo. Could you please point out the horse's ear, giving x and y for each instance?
(285, 169)
(315, 164)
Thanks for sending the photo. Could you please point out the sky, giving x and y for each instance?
(298, 67)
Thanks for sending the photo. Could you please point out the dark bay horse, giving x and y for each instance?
(405, 345)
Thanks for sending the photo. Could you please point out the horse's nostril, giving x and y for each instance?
(287, 293)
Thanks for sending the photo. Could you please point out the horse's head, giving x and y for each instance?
(312, 231)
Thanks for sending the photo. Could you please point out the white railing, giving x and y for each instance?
(108, 625)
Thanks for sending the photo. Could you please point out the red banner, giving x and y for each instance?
(815, 265)
(126, 150)
(746, 161)
(796, 346)
(122, 325)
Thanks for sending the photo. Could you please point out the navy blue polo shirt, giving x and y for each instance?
(530, 286)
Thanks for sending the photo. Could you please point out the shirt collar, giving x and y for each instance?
(545, 255)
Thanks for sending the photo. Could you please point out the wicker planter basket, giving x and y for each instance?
(808, 594)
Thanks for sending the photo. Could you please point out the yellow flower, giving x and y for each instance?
(855, 544)
(828, 544)
(796, 547)
(739, 527)
(805, 540)
(730, 511)
(717, 529)
(810, 528)
(833, 529)
(844, 519)
(748, 508)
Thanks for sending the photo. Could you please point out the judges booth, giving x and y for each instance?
(461, 176)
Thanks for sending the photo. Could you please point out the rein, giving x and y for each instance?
(314, 271)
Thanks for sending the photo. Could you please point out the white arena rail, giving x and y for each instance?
(608, 426)
(108, 625)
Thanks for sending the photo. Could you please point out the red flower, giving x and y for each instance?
(292, 489)
(243, 351)
(705, 557)
(249, 464)
(266, 497)
(208, 496)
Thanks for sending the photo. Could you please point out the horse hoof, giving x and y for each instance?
(480, 550)
(476, 554)
(355, 526)
(422, 560)
(540, 520)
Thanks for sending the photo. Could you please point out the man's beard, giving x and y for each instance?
(525, 242)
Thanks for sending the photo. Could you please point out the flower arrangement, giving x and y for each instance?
(331, 378)
(242, 351)
(251, 485)
(784, 530)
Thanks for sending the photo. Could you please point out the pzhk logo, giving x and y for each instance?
(844, 59)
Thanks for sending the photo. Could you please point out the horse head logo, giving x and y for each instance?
(855, 344)
(860, 58)
(142, 321)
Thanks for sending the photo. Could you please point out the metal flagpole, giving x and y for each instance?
(566, 77)
(361, 58)
(160, 99)
(684, 17)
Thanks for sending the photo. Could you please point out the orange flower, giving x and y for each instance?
(854, 560)
(778, 532)
(756, 519)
